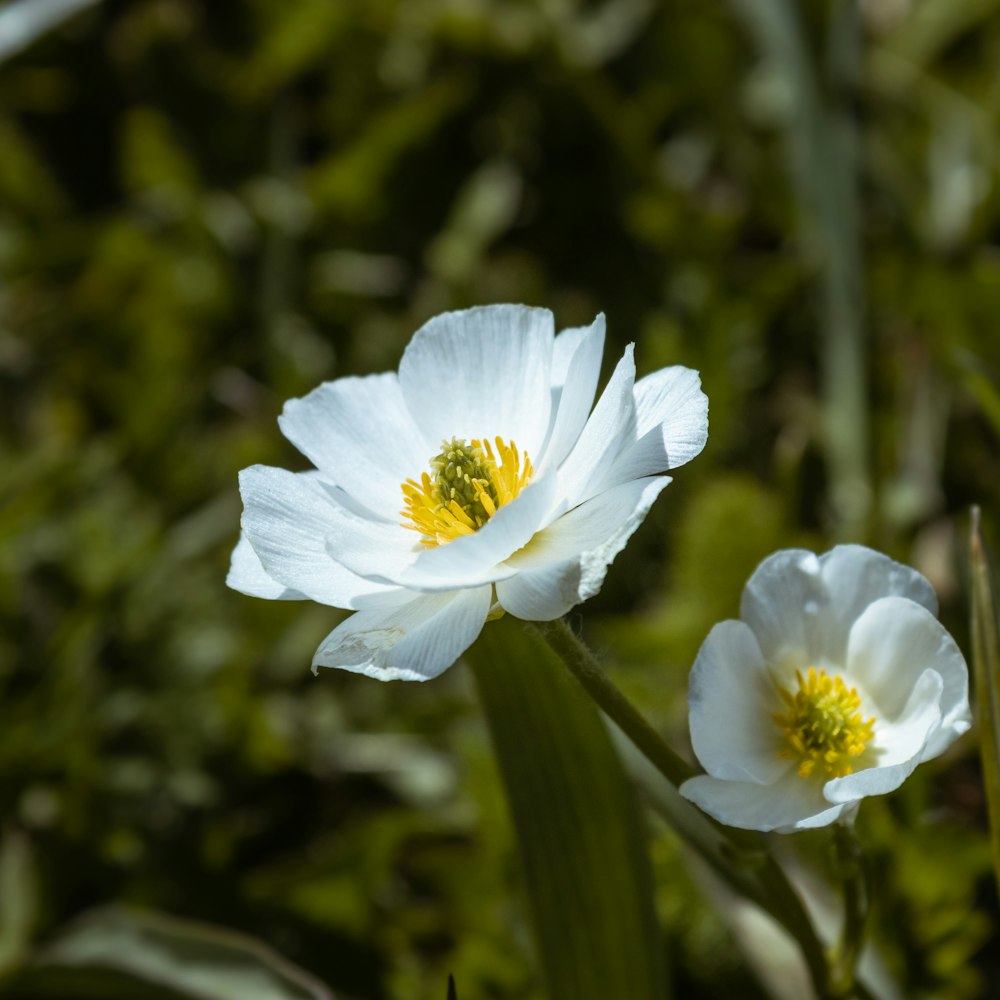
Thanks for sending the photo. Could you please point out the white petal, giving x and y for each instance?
(855, 576)
(792, 803)
(542, 595)
(566, 562)
(905, 737)
(802, 607)
(785, 603)
(671, 424)
(478, 558)
(901, 745)
(248, 576)
(286, 518)
(732, 700)
(892, 644)
(608, 431)
(375, 550)
(480, 373)
(360, 434)
(576, 367)
(410, 643)
(952, 726)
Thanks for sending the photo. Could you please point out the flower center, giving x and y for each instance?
(823, 725)
(468, 483)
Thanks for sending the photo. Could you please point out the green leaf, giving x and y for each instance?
(352, 180)
(976, 378)
(986, 669)
(107, 951)
(18, 896)
(934, 25)
(295, 38)
(578, 828)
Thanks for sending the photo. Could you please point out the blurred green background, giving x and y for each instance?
(207, 208)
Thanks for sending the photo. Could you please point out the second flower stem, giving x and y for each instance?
(850, 863)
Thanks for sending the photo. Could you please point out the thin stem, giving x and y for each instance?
(584, 667)
(787, 907)
(850, 863)
(743, 852)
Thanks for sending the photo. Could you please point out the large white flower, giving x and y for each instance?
(837, 682)
(475, 480)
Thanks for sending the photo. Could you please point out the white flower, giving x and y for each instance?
(472, 481)
(837, 682)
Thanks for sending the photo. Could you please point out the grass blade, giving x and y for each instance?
(821, 134)
(115, 951)
(986, 671)
(18, 898)
(577, 823)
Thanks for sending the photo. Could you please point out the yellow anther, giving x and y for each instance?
(823, 726)
(468, 483)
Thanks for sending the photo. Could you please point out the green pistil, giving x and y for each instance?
(454, 471)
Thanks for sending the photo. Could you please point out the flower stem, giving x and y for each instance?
(744, 853)
(850, 863)
(584, 667)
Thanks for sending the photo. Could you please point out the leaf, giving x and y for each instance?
(26, 182)
(932, 26)
(154, 162)
(977, 381)
(104, 950)
(986, 669)
(582, 848)
(351, 180)
(18, 895)
(295, 38)
(484, 208)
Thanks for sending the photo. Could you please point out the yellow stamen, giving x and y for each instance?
(468, 484)
(823, 726)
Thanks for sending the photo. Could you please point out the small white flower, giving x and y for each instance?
(472, 481)
(837, 682)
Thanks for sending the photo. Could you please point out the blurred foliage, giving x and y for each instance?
(208, 208)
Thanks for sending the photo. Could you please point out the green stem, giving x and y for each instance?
(850, 863)
(741, 857)
(584, 667)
